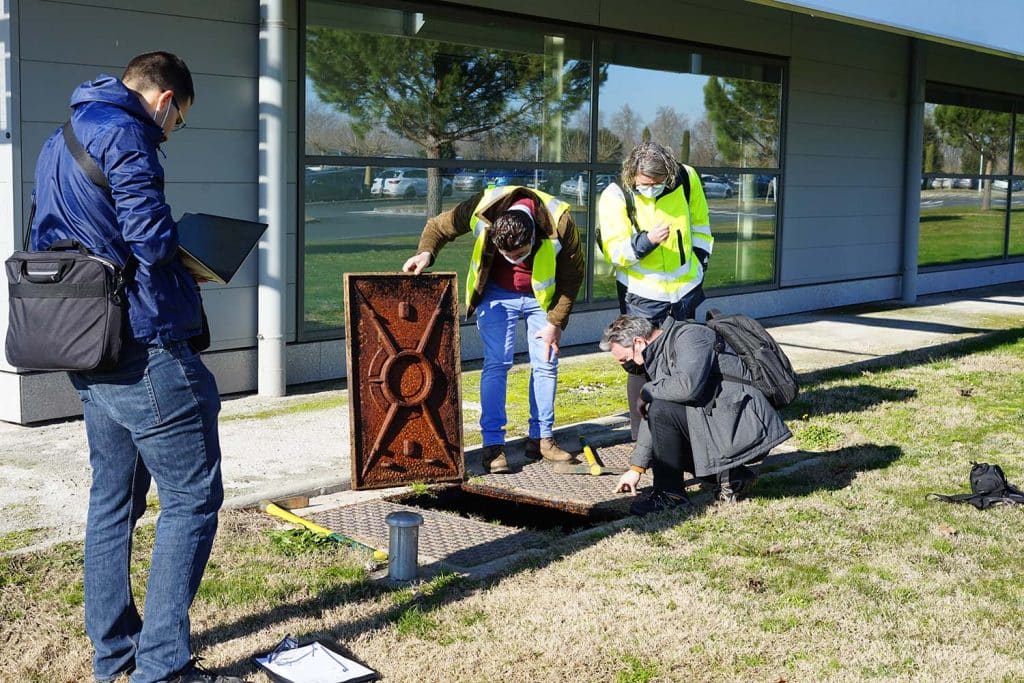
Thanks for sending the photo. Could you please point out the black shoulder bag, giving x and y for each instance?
(67, 305)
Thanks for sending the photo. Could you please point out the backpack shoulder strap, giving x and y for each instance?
(631, 208)
(684, 180)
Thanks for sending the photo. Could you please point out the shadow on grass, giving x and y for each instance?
(844, 399)
(803, 473)
(915, 357)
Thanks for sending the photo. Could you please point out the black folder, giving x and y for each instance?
(213, 247)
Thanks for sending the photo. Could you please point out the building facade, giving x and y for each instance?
(851, 152)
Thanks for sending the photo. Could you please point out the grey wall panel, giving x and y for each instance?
(242, 11)
(727, 23)
(807, 106)
(946, 64)
(840, 262)
(836, 43)
(845, 141)
(841, 231)
(804, 170)
(232, 315)
(582, 11)
(819, 202)
(237, 200)
(848, 81)
(56, 33)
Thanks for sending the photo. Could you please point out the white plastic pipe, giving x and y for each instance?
(913, 164)
(271, 370)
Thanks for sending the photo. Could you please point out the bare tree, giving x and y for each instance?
(668, 126)
(626, 125)
(703, 150)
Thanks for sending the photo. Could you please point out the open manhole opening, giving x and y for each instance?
(506, 510)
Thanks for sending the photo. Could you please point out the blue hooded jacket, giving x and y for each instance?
(123, 139)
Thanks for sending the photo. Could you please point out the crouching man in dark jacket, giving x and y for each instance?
(695, 422)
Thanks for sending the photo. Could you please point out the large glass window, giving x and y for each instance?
(720, 113)
(410, 110)
(971, 181)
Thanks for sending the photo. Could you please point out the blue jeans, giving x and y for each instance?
(154, 416)
(496, 318)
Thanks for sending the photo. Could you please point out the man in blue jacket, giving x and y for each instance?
(153, 416)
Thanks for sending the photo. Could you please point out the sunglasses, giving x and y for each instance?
(179, 123)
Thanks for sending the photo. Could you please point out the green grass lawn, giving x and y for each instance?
(735, 261)
(837, 569)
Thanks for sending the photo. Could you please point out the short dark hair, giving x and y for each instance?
(513, 230)
(161, 70)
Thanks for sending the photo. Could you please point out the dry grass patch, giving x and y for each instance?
(838, 569)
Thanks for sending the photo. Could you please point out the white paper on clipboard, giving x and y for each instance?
(314, 663)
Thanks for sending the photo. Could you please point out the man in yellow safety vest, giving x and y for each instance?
(527, 264)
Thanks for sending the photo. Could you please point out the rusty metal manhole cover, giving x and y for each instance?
(402, 344)
(455, 541)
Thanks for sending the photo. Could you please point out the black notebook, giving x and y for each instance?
(213, 247)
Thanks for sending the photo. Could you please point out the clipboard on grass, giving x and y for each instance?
(214, 247)
(314, 662)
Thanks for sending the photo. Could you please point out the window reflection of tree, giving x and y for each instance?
(437, 94)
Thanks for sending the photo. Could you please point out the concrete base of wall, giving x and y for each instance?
(35, 397)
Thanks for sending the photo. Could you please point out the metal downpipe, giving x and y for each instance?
(271, 366)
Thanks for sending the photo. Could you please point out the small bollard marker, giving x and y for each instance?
(403, 544)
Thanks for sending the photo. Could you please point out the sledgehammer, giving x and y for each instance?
(277, 511)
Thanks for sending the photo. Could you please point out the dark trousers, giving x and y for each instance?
(656, 312)
(670, 441)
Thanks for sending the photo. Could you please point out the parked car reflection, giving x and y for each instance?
(334, 184)
(578, 187)
(405, 182)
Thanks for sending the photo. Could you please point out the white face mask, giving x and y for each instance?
(651, 191)
(525, 256)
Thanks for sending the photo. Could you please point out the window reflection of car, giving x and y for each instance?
(405, 182)
(524, 178)
(334, 184)
(1003, 184)
(578, 187)
(715, 187)
(469, 181)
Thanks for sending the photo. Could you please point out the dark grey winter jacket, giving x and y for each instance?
(741, 424)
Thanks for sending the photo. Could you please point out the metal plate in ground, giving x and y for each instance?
(405, 403)
(456, 541)
(583, 494)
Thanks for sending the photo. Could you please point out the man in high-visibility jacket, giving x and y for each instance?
(656, 233)
(527, 264)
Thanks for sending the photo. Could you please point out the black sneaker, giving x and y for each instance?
(194, 673)
(659, 500)
(741, 481)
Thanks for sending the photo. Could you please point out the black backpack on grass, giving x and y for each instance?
(988, 487)
(771, 370)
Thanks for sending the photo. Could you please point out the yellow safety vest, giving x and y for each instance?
(670, 271)
(542, 276)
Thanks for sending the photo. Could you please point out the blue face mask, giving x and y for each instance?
(651, 191)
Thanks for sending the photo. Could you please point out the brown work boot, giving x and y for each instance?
(548, 449)
(494, 461)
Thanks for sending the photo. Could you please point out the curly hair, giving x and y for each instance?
(624, 330)
(512, 230)
(650, 159)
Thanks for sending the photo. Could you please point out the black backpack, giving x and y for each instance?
(988, 487)
(771, 370)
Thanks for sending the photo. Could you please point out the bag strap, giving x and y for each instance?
(85, 162)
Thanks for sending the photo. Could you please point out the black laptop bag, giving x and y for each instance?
(67, 305)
